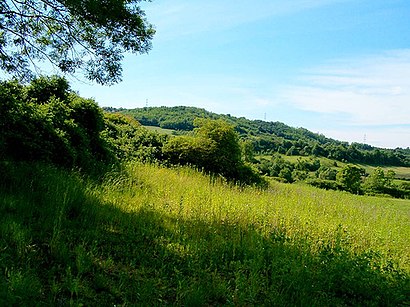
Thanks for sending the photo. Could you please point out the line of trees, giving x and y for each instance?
(273, 137)
(46, 121)
(350, 178)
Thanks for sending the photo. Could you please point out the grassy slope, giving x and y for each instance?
(154, 235)
(162, 130)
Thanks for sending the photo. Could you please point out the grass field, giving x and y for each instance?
(401, 171)
(148, 235)
(162, 130)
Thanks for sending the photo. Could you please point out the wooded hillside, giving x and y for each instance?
(271, 137)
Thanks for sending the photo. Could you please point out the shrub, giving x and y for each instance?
(215, 148)
(326, 173)
(43, 88)
(131, 140)
(44, 121)
(324, 184)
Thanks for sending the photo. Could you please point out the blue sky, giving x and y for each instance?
(337, 67)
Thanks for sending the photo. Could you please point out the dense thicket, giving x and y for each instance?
(129, 140)
(46, 121)
(271, 137)
(331, 176)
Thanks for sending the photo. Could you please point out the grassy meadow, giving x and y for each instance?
(162, 130)
(149, 235)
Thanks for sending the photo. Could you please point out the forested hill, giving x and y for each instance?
(270, 137)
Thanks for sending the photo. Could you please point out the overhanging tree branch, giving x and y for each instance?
(88, 35)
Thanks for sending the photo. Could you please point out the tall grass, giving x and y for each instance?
(151, 235)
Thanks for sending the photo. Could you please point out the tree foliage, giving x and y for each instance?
(46, 121)
(381, 182)
(223, 145)
(377, 181)
(131, 140)
(350, 178)
(57, 127)
(87, 35)
(215, 148)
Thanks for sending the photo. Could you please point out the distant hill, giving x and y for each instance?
(271, 137)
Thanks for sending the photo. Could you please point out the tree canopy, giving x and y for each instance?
(88, 35)
(215, 148)
(349, 177)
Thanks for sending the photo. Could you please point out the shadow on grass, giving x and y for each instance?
(61, 245)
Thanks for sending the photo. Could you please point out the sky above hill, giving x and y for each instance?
(337, 67)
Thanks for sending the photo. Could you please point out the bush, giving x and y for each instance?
(44, 121)
(404, 186)
(326, 173)
(43, 88)
(247, 174)
(324, 184)
(131, 140)
(215, 148)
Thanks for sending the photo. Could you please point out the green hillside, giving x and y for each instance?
(273, 137)
(149, 234)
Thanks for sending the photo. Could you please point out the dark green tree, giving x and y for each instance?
(215, 148)
(131, 140)
(248, 151)
(286, 174)
(42, 88)
(326, 173)
(292, 151)
(224, 147)
(72, 35)
(379, 181)
(350, 178)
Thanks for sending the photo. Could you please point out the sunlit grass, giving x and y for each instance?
(163, 130)
(369, 222)
(151, 235)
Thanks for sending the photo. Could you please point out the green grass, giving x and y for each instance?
(323, 161)
(162, 130)
(401, 171)
(149, 235)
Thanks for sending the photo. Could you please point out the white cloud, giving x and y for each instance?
(371, 90)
